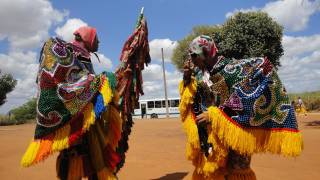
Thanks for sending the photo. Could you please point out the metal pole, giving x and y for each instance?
(165, 85)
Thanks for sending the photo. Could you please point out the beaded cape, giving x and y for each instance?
(71, 98)
(249, 112)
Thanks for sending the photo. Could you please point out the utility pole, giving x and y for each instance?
(165, 85)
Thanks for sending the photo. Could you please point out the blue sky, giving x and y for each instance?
(25, 26)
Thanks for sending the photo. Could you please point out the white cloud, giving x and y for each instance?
(105, 63)
(66, 31)
(167, 45)
(19, 64)
(294, 15)
(229, 14)
(23, 67)
(295, 46)
(300, 70)
(153, 82)
(26, 24)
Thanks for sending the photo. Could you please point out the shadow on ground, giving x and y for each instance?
(173, 176)
(315, 123)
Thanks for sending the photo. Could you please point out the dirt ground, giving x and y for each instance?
(157, 152)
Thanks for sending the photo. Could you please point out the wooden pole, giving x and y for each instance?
(165, 85)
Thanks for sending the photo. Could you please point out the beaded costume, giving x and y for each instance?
(249, 112)
(81, 114)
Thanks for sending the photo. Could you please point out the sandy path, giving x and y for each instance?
(157, 152)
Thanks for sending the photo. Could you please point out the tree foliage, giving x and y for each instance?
(7, 84)
(26, 111)
(243, 35)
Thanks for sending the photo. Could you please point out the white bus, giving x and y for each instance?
(156, 108)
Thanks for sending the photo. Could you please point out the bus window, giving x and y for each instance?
(164, 104)
(174, 103)
(137, 105)
(157, 104)
(150, 104)
(177, 101)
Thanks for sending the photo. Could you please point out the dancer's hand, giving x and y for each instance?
(187, 71)
(203, 117)
(187, 68)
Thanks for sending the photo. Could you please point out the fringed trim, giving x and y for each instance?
(106, 174)
(106, 91)
(243, 174)
(217, 175)
(114, 126)
(249, 141)
(75, 170)
(193, 145)
(189, 125)
(45, 149)
(123, 145)
(186, 97)
(40, 149)
(89, 117)
(204, 166)
(30, 154)
(61, 139)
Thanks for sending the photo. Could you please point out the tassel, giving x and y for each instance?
(111, 157)
(186, 97)
(218, 175)
(106, 92)
(243, 174)
(61, 139)
(45, 149)
(75, 171)
(30, 154)
(95, 149)
(105, 174)
(88, 117)
(62, 166)
(204, 166)
(114, 120)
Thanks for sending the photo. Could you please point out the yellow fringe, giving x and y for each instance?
(61, 136)
(193, 145)
(186, 97)
(249, 141)
(105, 174)
(204, 166)
(88, 117)
(217, 175)
(40, 149)
(44, 149)
(30, 154)
(61, 139)
(243, 174)
(106, 91)
(75, 171)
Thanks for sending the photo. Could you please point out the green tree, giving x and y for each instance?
(243, 35)
(7, 84)
(26, 111)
